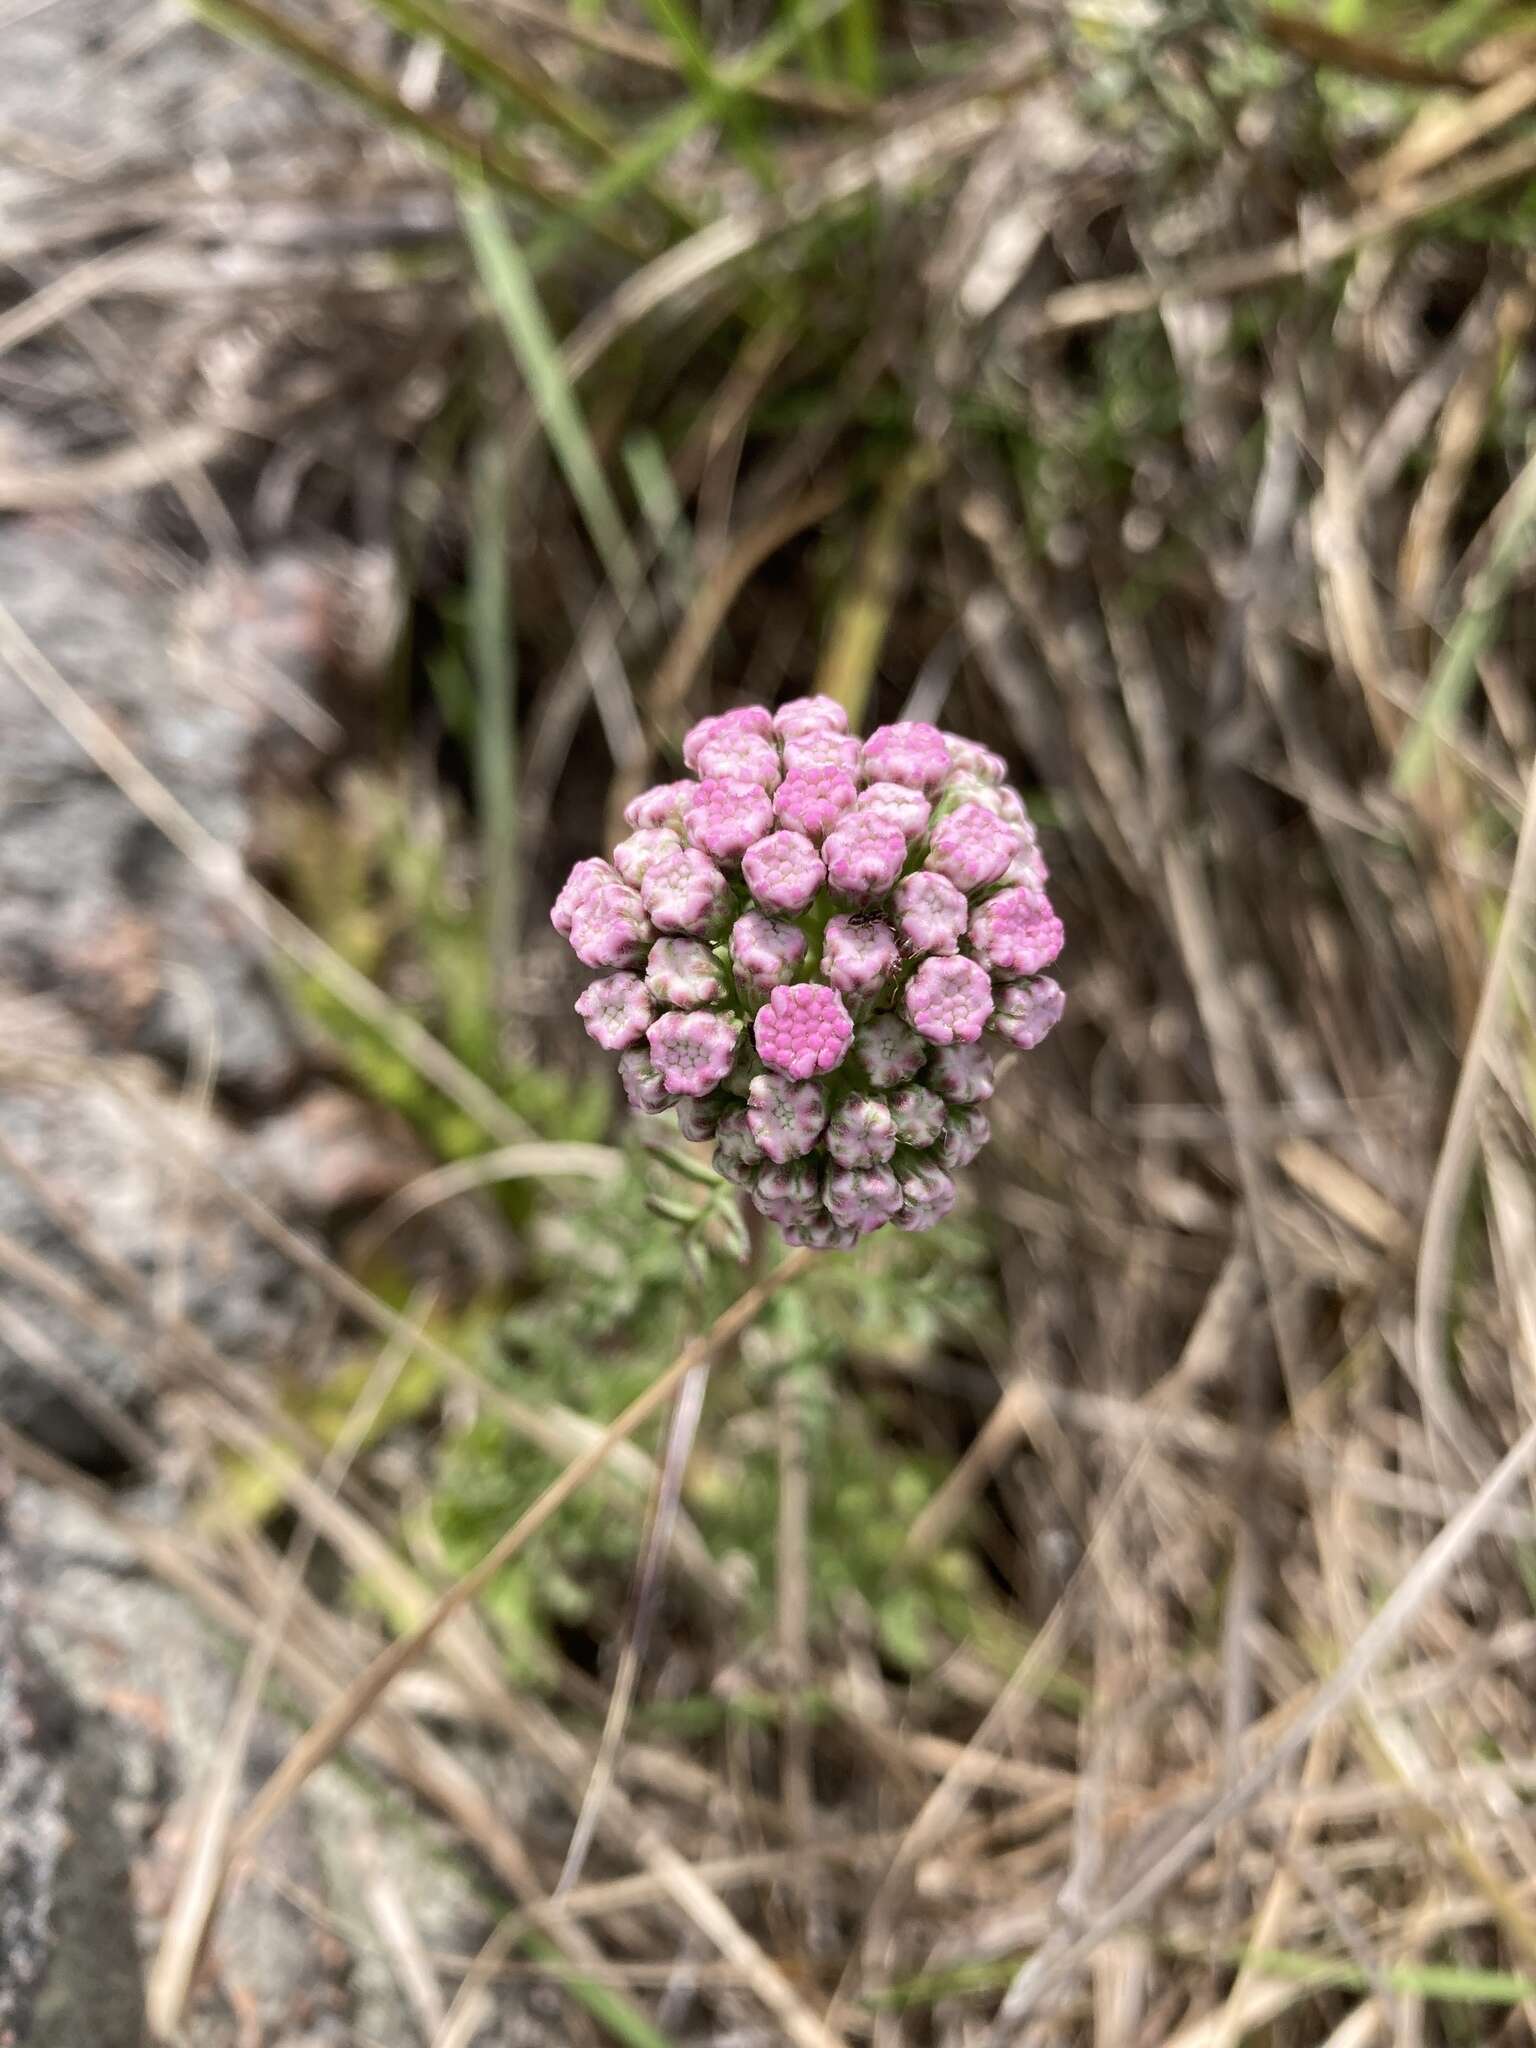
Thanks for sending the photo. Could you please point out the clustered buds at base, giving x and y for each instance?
(801, 951)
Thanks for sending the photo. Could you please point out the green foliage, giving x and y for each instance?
(613, 1297)
(379, 884)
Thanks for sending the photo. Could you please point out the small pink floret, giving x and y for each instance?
(803, 1030)
(948, 1001)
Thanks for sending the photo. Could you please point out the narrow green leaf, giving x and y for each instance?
(509, 284)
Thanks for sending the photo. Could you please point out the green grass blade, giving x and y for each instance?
(509, 283)
(653, 146)
(493, 658)
(1455, 673)
(515, 86)
(246, 21)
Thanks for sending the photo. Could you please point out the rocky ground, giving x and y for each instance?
(125, 976)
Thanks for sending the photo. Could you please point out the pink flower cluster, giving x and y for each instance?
(800, 949)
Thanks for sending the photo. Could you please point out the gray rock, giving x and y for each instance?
(296, 1956)
(33, 1738)
(112, 1184)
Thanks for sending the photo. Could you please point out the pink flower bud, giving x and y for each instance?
(765, 951)
(864, 856)
(971, 847)
(1015, 933)
(809, 714)
(793, 1188)
(785, 1117)
(740, 757)
(858, 955)
(686, 892)
(811, 800)
(965, 1131)
(861, 1197)
(643, 1085)
(961, 1073)
(693, 1050)
(912, 753)
(610, 929)
(724, 817)
(836, 750)
(685, 973)
(747, 718)
(803, 1030)
(908, 809)
(930, 913)
(737, 1153)
(889, 1051)
(1027, 1010)
(917, 1114)
(784, 872)
(948, 1000)
(1027, 867)
(969, 757)
(616, 1011)
(698, 1117)
(661, 806)
(821, 1235)
(634, 856)
(862, 1131)
(1002, 802)
(927, 1195)
(581, 884)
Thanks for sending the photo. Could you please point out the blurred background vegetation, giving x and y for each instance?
(1145, 388)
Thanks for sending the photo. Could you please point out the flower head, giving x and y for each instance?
(1027, 1010)
(723, 816)
(864, 855)
(1015, 933)
(753, 719)
(803, 1030)
(684, 973)
(927, 1195)
(740, 756)
(911, 753)
(661, 806)
(581, 885)
(647, 1091)
(889, 1051)
(809, 714)
(961, 1073)
(821, 749)
(693, 1050)
(930, 913)
(636, 855)
(858, 954)
(917, 1115)
(948, 999)
(784, 873)
(610, 929)
(798, 948)
(861, 1198)
(907, 809)
(686, 892)
(862, 1131)
(616, 1010)
(965, 1131)
(971, 847)
(811, 800)
(765, 951)
(785, 1117)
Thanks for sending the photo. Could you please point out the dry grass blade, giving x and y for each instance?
(1453, 1167)
(196, 1904)
(1058, 1958)
(326, 1736)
